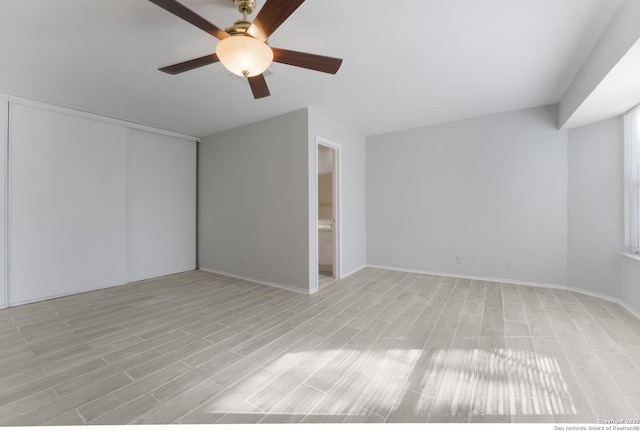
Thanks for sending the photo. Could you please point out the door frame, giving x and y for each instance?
(337, 209)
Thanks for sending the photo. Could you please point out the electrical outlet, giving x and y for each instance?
(509, 265)
(459, 260)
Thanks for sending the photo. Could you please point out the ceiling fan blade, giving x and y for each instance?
(181, 11)
(308, 61)
(185, 66)
(259, 86)
(271, 16)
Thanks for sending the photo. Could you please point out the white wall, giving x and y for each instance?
(629, 282)
(161, 205)
(253, 207)
(352, 174)
(67, 204)
(596, 206)
(491, 190)
(3, 175)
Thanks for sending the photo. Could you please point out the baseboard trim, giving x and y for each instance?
(473, 277)
(517, 282)
(255, 280)
(350, 273)
(606, 298)
(61, 295)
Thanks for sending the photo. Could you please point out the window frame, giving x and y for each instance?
(632, 180)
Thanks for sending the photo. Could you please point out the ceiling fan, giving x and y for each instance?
(243, 47)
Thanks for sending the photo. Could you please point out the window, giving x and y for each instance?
(632, 177)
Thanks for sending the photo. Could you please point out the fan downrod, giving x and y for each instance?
(245, 7)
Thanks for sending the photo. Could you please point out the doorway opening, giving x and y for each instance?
(328, 200)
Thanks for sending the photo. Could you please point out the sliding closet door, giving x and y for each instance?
(3, 201)
(67, 204)
(161, 209)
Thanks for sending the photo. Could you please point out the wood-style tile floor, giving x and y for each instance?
(378, 346)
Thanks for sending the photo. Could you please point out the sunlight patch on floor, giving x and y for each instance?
(402, 383)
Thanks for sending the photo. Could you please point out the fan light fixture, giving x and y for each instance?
(243, 55)
(243, 47)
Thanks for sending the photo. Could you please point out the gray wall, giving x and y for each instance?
(596, 206)
(491, 190)
(253, 201)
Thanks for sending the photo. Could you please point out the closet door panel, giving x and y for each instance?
(67, 204)
(161, 209)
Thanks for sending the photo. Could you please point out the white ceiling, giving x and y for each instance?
(407, 63)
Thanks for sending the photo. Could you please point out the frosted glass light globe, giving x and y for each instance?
(243, 55)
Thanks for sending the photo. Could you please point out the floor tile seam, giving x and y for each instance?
(10, 334)
(93, 383)
(370, 413)
(581, 332)
(260, 334)
(235, 364)
(180, 418)
(343, 304)
(97, 418)
(357, 290)
(18, 352)
(102, 316)
(19, 400)
(586, 343)
(633, 330)
(475, 368)
(80, 416)
(255, 389)
(195, 338)
(475, 372)
(57, 345)
(372, 380)
(374, 303)
(266, 322)
(585, 393)
(608, 373)
(409, 328)
(455, 333)
(400, 312)
(291, 392)
(66, 397)
(342, 378)
(32, 329)
(184, 321)
(3, 390)
(142, 341)
(194, 333)
(281, 311)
